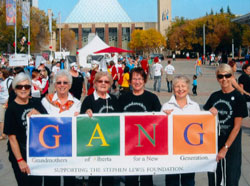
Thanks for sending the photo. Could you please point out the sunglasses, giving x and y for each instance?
(20, 87)
(103, 81)
(62, 82)
(221, 76)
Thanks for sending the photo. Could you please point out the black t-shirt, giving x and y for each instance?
(100, 105)
(245, 80)
(15, 119)
(147, 102)
(77, 85)
(229, 106)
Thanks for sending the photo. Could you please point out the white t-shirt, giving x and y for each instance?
(4, 93)
(157, 67)
(55, 69)
(169, 69)
(190, 107)
(35, 92)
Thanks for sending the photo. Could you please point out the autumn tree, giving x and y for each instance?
(148, 41)
(67, 38)
(39, 33)
(246, 37)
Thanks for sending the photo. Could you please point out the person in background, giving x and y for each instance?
(231, 108)
(56, 68)
(63, 103)
(44, 79)
(150, 63)
(30, 67)
(232, 64)
(78, 88)
(194, 89)
(4, 95)
(36, 87)
(125, 82)
(197, 65)
(114, 74)
(145, 66)
(157, 71)
(173, 56)
(169, 69)
(100, 102)
(180, 103)
(95, 69)
(244, 82)
(139, 100)
(16, 129)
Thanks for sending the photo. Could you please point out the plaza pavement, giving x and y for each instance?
(206, 85)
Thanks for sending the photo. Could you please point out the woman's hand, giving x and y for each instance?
(89, 112)
(76, 113)
(24, 167)
(222, 154)
(168, 112)
(213, 111)
(33, 112)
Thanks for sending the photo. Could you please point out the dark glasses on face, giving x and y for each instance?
(20, 87)
(62, 82)
(103, 81)
(221, 76)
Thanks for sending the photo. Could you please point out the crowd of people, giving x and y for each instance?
(25, 92)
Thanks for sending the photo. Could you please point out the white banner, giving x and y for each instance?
(122, 144)
(18, 60)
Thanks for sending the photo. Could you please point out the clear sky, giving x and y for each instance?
(145, 10)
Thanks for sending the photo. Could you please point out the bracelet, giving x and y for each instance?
(227, 147)
(19, 160)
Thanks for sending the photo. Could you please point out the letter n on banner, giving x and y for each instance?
(98, 136)
(50, 137)
(146, 135)
(194, 134)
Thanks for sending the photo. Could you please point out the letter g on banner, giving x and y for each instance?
(186, 135)
(57, 137)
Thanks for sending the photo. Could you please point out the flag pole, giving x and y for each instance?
(15, 29)
(29, 34)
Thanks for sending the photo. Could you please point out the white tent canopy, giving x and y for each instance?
(93, 46)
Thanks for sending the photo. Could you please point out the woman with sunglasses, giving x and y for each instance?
(231, 107)
(16, 126)
(63, 103)
(100, 102)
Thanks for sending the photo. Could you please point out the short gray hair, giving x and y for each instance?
(181, 78)
(63, 73)
(224, 68)
(19, 78)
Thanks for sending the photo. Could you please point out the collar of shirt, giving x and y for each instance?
(96, 96)
(174, 102)
(55, 98)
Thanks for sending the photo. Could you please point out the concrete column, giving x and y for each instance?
(93, 28)
(106, 34)
(132, 28)
(79, 36)
(119, 36)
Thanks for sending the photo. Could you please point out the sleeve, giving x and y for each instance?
(241, 107)
(86, 104)
(165, 106)
(156, 104)
(209, 103)
(10, 121)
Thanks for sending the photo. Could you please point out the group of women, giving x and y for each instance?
(137, 100)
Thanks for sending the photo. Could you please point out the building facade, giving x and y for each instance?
(110, 21)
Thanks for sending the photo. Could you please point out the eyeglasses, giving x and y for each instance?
(20, 87)
(221, 76)
(62, 82)
(103, 81)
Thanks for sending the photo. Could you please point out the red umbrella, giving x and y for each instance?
(113, 50)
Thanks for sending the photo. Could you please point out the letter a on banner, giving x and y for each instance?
(10, 12)
(98, 136)
(146, 135)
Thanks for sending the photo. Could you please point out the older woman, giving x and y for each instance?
(180, 103)
(63, 103)
(139, 100)
(16, 126)
(231, 108)
(100, 102)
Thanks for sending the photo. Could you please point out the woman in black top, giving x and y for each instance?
(231, 108)
(100, 102)
(139, 100)
(16, 126)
